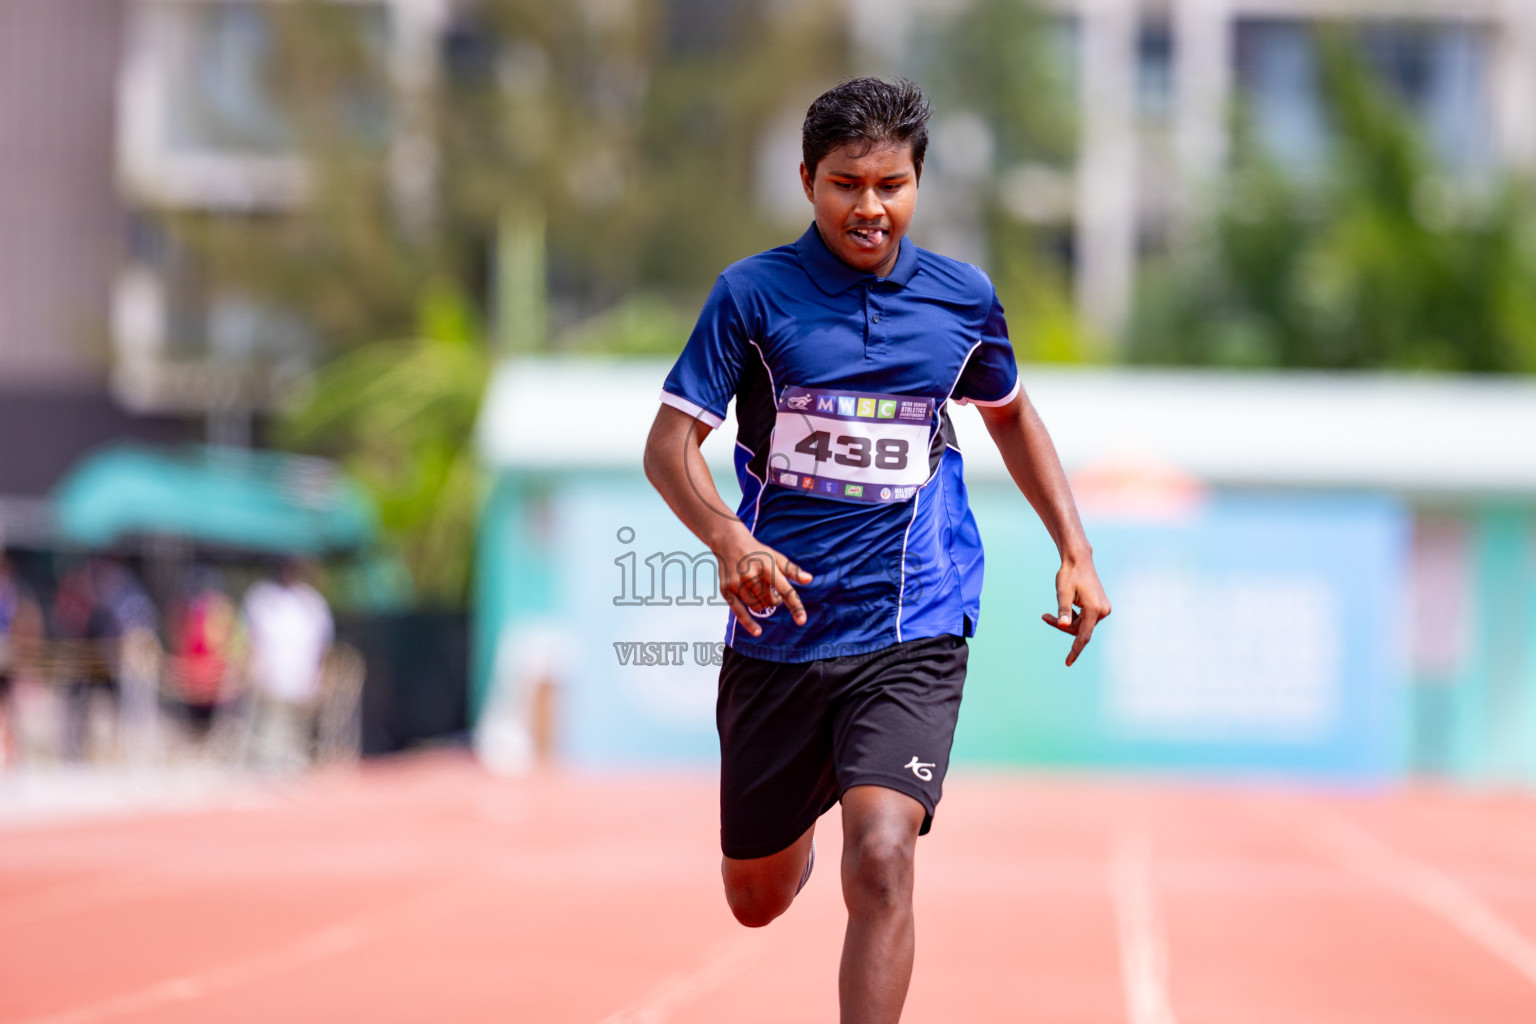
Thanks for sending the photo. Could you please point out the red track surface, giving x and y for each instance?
(425, 891)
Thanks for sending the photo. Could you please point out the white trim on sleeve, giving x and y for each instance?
(1018, 384)
(698, 412)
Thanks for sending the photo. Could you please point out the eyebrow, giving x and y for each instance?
(854, 177)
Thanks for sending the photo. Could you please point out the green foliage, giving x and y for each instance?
(637, 162)
(1043, 324)
(1382, 261)
(400, 416)
(997, 57)
(347, 265)
(644, 324)
(587, 129)
(705, 117)
(1000, 60)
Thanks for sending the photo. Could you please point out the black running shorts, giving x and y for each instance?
(795, 737)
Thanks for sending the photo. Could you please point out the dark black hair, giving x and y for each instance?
(870, 111)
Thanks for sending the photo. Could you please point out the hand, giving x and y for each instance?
(1077, 585)
(756, 578)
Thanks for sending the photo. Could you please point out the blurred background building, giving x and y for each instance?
(326, 228)
(61, 229)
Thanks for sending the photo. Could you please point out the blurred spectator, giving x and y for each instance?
(10, 612)
(130, 648)
(20, 685)
(290, 629)
(204, 638)
(96, 606)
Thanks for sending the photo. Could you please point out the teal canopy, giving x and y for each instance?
(230, 497)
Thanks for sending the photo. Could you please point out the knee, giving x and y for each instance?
(877, 871)
(754, 904)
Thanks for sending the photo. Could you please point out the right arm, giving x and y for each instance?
(753, 577)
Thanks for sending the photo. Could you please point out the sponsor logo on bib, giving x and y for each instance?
(851, 446)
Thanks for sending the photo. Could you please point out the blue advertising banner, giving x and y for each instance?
(1250, 635)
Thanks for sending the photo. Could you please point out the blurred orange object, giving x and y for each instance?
(1146, 489)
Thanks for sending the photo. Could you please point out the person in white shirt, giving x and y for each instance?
(289, 630)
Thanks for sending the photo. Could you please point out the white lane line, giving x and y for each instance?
(318, 945)
(1143, 943)
(1431, 889)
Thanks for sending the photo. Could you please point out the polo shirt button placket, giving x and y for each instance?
(872, 315)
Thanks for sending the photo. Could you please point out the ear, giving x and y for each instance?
(805, 183)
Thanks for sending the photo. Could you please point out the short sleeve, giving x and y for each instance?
(704, 378)
(990, 376)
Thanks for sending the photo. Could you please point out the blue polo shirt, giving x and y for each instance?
(795, 321)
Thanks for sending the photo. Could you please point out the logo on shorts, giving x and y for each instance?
(920, 768)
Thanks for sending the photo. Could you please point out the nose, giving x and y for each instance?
(869, 206)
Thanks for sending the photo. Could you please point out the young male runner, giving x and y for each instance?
(853, 566)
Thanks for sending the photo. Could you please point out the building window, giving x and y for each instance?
(1154, 70)
(222, 66)
(1439, 71)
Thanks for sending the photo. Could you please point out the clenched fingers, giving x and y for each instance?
(755, 575)
(1064, 612)
(766, 580)
(1055, 622)
(786, 593)
(781, 583)
(1081, 626)
(742, 613)
(1085, 623)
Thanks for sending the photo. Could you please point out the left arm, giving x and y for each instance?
(1031, 459)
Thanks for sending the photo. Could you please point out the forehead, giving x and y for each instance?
(866, 160)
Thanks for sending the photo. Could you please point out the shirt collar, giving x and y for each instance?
(833, 276)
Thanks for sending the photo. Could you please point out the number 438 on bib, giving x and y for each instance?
(851, 446)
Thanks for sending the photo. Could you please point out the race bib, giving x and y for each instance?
(850, 445)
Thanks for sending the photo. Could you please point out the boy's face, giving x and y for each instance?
(864, 203)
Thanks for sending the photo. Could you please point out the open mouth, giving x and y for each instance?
(868, 238)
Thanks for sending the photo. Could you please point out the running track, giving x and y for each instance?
(422, 890)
